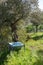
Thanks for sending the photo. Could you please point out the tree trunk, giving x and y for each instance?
(36, 28)
(14, 31)
(15, 37)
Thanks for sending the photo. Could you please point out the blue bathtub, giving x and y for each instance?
(16, 45)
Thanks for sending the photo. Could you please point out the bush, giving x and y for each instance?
(30, 28)
(5, 34)
(40, 27)
(22, 35)
(23, 58)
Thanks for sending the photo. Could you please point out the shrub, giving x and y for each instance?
(5, 34)
(22, 58)
(30, 28)
(22, 35)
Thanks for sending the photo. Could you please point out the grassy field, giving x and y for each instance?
(32, 55)
(36, 40)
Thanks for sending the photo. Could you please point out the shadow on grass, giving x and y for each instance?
(4, 57)
(40, 58)
(37, 37)
(4, 51)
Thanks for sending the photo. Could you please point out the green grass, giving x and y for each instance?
(32, 55)
(36, 40)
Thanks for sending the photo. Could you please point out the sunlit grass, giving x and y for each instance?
(32, 55)
(35, 43)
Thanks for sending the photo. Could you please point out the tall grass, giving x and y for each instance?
(32, 55)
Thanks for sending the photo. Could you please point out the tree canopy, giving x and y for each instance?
(11, 11)
(14, 10)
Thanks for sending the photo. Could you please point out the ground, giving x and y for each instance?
(32, 55)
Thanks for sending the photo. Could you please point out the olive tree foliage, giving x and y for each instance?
(11, 11)
(36, 19)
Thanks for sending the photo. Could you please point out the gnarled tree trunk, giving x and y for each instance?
(14, 31)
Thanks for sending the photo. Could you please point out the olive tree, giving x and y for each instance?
(36, 19)
(11, 11)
